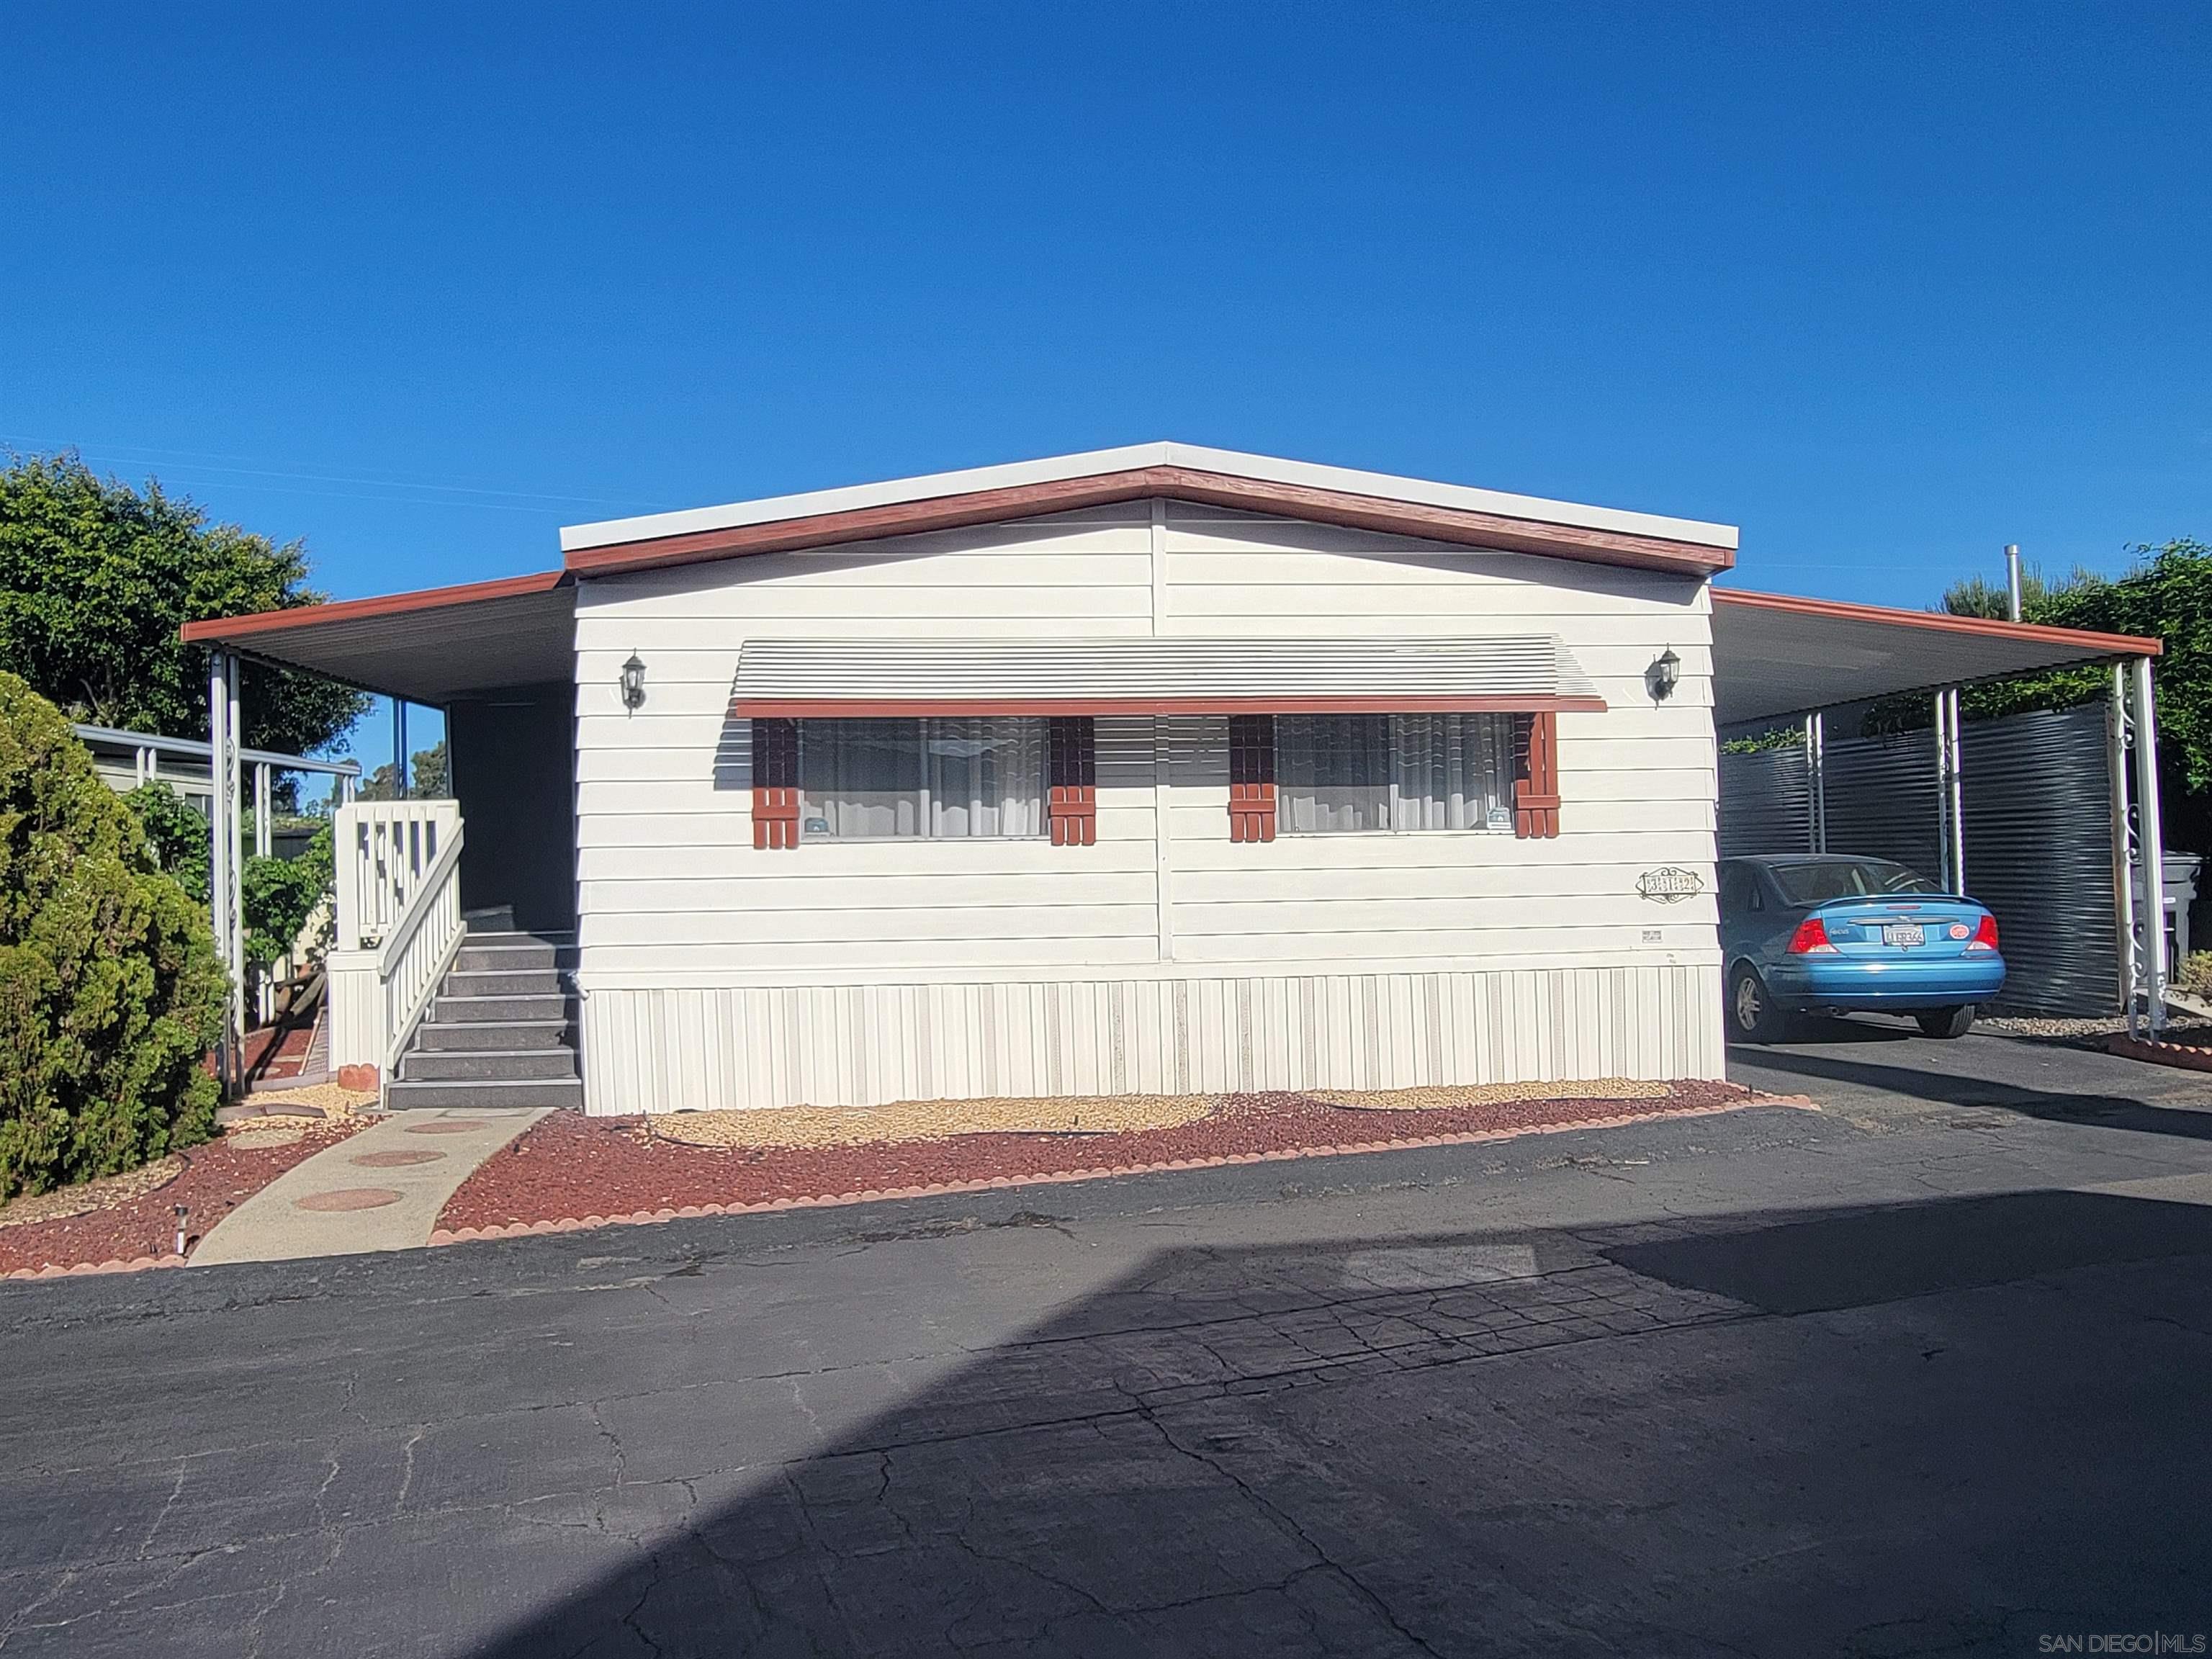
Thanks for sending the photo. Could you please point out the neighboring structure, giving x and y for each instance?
(1149, 770)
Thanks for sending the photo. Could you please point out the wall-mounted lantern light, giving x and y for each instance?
(633, 682)
(1664, 674)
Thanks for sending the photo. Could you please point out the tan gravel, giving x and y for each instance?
(86, 1196)
(334, 1101)
(1444, 1096)
(928, 1120)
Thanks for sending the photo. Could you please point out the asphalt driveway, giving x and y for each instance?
(1923, 1372)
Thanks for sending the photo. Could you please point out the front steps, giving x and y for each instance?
(501, 1031)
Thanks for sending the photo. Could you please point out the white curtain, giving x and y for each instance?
(1451, 771)
(1332, 773)
(1337, 773)
(937, 778)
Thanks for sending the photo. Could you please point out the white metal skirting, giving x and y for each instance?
(675, 1050)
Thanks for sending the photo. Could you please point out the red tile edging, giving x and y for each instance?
(647, 1218)
(136, 1264)
(2187, 1056)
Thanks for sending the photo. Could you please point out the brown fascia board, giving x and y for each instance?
(224, 629)
(1941, 622)
(1441, 523)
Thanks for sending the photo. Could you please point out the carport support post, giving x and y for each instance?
(223, 897)
(2124, 874)
(1816, 777)
(1950, 815)
(2150, 843)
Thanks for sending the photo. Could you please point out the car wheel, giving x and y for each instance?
(1946, 1022)
(1753, 1014)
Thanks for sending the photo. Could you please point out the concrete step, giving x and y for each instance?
(501, 983)
(510, 1035)
(456, 1065)
(476, 956)
(499, 1009)
(404, 1096)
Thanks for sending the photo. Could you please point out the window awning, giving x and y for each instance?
(813, 679)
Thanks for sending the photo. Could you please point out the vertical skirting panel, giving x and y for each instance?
(677, 1050)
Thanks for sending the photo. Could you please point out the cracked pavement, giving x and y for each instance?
(1924, 1372)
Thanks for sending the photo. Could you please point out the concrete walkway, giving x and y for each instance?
(377, 1190)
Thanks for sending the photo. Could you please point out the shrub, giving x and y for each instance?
(176, 835)
(110, 992)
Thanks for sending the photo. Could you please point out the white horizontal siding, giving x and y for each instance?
(716, 973)
(674, 1050)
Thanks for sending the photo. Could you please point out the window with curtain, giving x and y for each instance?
(1337, 773)
(937, 778)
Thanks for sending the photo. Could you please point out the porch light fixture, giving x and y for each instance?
(633, 682)
(1664, 674)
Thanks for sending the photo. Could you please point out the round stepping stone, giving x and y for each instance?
(347, 1198)
(398, 1159)
(439, 1127)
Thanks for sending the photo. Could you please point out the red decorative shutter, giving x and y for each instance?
(1251, 777)
(1536, 791)
(1072, 803)
(775, 783)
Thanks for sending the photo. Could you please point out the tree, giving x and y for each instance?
(109, 992)
(426, 777)
(2166, 595)
(96, 579)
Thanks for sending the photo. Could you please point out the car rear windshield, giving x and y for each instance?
(1842, 878)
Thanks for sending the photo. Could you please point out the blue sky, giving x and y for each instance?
(1886, 286)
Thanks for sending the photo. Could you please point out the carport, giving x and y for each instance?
(1781, 660)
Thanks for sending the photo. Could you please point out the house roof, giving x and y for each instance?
(1774, 654)
(1260, 483)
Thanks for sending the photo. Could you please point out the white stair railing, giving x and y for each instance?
(385, 849)
(417, 952)
(399, 925)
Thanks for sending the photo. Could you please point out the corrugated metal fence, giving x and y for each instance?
(1883, 800)
(2037, 802)
(1766, 802)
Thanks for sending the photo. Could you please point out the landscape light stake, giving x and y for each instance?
(184, 1211)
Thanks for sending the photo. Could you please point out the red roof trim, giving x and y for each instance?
(1461, 525)
(1384, 703)
(222, 628)
(2118, 645)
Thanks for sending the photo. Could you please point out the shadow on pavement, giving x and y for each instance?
(1946, 1088)
(1496, 1443)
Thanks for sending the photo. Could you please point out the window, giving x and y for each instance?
(1816, 881)
(938, 779)
(1338, 774)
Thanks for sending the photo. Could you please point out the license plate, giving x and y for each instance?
(1909, 932)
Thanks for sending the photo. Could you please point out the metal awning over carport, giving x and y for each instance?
(1776, 655)
(428, 646)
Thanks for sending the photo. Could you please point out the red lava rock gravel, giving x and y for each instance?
(568, 1167)
(216, 1178)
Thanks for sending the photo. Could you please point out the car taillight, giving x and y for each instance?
(1985, 936)
(1811, 938)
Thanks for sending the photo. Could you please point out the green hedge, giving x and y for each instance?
(110, 991)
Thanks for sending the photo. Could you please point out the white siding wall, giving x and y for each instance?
(1166, 956)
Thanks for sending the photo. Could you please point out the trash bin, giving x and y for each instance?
(2178, 879)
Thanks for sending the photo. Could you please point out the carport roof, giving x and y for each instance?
(1774, 654)
(428, 646)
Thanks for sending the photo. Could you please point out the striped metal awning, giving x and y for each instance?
(827, 679)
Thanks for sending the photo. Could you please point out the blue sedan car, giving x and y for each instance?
(1823, 933)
